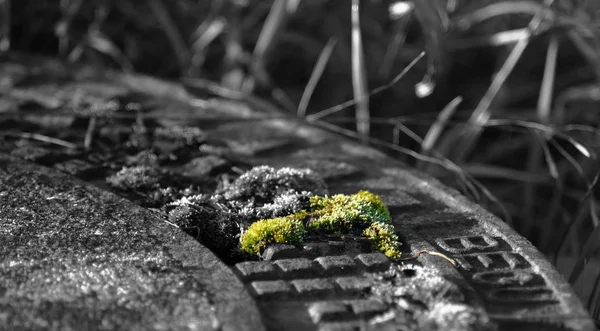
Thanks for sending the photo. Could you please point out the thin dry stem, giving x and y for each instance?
(349, 103)
(542, 12)
(545, 98)
(46, 139)
(267, 39)
(471, 183)
(315, 76)
(417, 254)
(359, 75)
(6, 25)
(172, 32)
(482, 113)
(435, 130)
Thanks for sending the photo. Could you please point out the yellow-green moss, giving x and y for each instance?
(384, 239)
(281, 230)
(343, 212)
(362, 213)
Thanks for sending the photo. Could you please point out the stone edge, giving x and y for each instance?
(235, 308)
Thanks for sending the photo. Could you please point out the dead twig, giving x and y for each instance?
(417, 254)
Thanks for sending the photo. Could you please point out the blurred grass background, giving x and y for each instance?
(503, 104)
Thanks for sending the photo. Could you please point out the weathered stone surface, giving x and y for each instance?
(74, 257)
(500, 280)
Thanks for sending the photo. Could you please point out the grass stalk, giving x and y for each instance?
(5, 28)
(482, 112)
(349, 103)
(274, 23)
(359, 75)
(315, 76)
(170, 29)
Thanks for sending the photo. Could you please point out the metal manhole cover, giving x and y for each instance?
(78, 256)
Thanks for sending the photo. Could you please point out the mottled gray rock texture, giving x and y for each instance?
(74, 257)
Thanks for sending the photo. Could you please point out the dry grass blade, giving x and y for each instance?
(497, 39)
(482, 112)
(216, 89)
(399, 127)
(434, 21)
(68, 11)
(315, 76)
(534, 166)
(586, 48)
(469, 182)
(582, 128)
(273, 23)
(443, 163)
(570, 159)
(172, 32)
(545, 98)
(417, 254)
(592, 243)
(530, 196)
(553, 212)
(541, 128)
(586, 92)
(42, 138)
(581, 216)
(279, 95)
(95, 39)
(276, 19)
(89, 133)
(5, 28)
(562, 237)
(498, 172)
(349, 103)
(435, 130)
(594, 302)
(503, 8)
(204, 35)
(207, 32)
(400, 23)
(543, 116)
(359, 75)
(552, 169)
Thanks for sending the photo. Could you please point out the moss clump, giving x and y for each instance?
(186, 135)
(384, 239)
(363, 213)
(289, 229)
(344, 212)
(285, 204)
(264, 192)
(135, 178)
(263, 183)
(201, 218)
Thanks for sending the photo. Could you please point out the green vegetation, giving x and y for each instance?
(263, 192)
(362, 213)
(282, 230)
(341, 213)
(384, 239)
